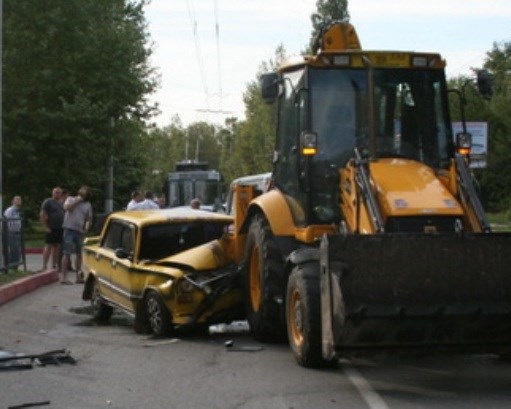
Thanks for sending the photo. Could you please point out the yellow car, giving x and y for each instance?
(167, 268)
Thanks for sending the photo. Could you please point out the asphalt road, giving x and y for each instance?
(117, 368)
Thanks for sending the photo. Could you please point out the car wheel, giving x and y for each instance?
(100, 310)
(158, 316)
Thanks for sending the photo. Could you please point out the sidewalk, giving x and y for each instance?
(24, 285)
(34, 259)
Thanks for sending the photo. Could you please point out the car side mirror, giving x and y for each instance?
(122, 253)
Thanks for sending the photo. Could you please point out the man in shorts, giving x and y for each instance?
(77, 221)
(52, 217)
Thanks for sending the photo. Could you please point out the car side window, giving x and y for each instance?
(119, 235)
(127, 239)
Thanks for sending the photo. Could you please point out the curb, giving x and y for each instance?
(27, 284)
(34, 250)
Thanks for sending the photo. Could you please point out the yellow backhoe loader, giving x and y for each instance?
(371, 235)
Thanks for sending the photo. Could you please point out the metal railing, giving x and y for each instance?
(13, 245)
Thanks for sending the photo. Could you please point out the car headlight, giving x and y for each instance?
(186, 286)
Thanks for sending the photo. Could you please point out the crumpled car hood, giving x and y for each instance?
(207, 256)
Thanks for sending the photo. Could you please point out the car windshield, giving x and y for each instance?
(410, 115)
(163, 240)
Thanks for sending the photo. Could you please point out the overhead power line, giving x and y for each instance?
(219, 66)
(200, 62)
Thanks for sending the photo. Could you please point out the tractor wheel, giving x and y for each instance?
(261, 282)
(101, 311)
(157, 315)
(303, 316)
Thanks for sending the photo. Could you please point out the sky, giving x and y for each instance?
(207, 51)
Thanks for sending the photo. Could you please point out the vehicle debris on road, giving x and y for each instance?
(15, 361)
(229, 346)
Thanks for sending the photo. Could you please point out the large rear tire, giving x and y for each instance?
(101, 311)
(303, 315)
(262, 281)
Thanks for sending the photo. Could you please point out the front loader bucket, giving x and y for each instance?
(416, 291)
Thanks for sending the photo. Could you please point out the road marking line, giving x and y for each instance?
(373, 400)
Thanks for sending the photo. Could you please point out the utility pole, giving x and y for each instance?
(109, 196)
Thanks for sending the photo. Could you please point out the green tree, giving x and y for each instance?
(203, 144)
(70, 67)
(496, 179)
(200, 141)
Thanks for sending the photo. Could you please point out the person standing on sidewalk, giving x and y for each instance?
(52, 217)
(13, 216)
(63, 198)
(77, 221)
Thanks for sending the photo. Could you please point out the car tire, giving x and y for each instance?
(101, 311)
(157, 314)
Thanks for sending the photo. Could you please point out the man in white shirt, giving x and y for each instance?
(138, 202)
(13, 216)
(77, 221)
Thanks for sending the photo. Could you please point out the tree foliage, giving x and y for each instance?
(496, 179)
(76, 78)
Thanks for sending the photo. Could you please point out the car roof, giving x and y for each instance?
(173, 215)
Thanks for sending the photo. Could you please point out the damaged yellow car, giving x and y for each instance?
(168, 269)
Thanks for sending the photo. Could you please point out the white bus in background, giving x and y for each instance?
(193, 179)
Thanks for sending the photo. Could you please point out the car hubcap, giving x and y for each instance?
(154, 313)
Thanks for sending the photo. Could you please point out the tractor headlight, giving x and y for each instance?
(464, 143)
(308, 143)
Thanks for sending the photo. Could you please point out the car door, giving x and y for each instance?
(115, 261)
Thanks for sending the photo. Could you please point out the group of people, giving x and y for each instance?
(147, 201)
(66, 219)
